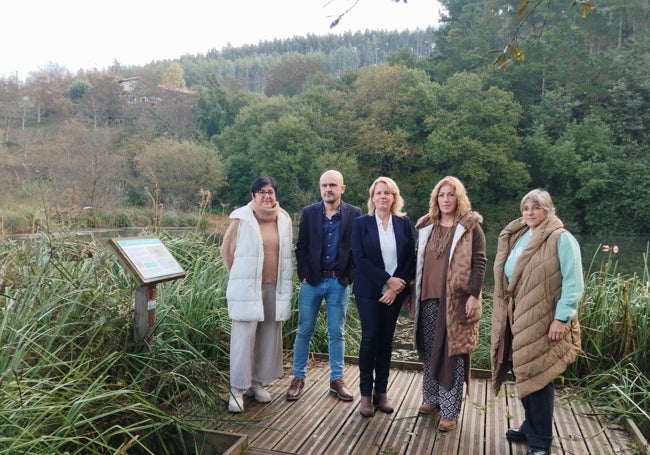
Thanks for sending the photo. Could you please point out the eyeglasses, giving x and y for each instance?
(266, 193)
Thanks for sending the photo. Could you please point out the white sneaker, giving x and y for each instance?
(260, 393)
(236, 400)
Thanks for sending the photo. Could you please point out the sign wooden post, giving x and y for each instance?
(150, 262)
(145, 311)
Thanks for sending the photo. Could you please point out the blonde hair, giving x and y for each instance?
(541, 198)
(463, 206)
(398, 201)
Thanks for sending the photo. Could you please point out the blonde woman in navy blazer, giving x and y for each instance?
(383, 250)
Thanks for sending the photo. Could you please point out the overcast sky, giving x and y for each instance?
(88, 34)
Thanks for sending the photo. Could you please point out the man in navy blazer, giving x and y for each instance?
(325, 270)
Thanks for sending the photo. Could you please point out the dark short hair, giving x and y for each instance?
(260, 182)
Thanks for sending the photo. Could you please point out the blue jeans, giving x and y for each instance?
(309, 301)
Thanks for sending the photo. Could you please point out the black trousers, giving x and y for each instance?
(538, 425)
(378, 323)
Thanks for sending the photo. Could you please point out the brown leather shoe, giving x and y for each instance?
(426, 408)
(446, 425)
(382, 402)
(295, 389)
(366, 408)
(338, 387)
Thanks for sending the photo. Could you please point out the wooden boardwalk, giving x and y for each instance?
(319, 423)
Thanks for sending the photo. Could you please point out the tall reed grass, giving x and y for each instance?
(72, 381)
(613, 371)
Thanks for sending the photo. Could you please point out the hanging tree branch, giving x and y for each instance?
(336, 21)
(511, 52)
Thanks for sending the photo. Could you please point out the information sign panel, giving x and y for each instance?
(148, 260)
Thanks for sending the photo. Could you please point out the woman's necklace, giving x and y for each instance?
(438, 241)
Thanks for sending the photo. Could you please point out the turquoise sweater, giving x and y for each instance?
(570, 259)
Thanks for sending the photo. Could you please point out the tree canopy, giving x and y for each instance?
(573, 118)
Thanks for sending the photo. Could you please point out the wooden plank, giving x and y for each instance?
(472, 423)
(618, 438)
(446, 443)
(259, 451)
(284, 431)
(425, 434)
(496, 422)
(260, 417)
(320, 424)
(516, 416)
(568, 436)
(423, 428)
(334, 424)
(593, 434)
(381, 424)
(406, 413)
(348, 435)
(339, 435)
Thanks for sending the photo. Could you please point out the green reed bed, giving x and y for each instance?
(71, 380)
(613, 371)
(481, 354)
(615, 319)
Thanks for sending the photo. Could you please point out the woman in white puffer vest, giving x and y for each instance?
(257, 251)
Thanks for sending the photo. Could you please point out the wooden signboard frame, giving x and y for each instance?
(148, 260)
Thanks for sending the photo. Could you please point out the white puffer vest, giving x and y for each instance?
(244, 291)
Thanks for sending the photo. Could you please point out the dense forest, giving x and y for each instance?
(573, 117)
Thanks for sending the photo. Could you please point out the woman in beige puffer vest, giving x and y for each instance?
(535, 330)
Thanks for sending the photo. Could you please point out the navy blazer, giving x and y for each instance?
(366, 252)
(309, 246)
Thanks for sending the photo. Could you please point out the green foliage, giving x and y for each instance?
(481, 355)
(473, 136)
(174, 76)
(469, 31)
(404, 57)
(18, 219)
(615, 319)
(78, 89)
(212, 108)
(73, 382)
(614, 369)
(572, 118)
(274, 138)
(174, 172)
(289, 75)
(69, 368)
